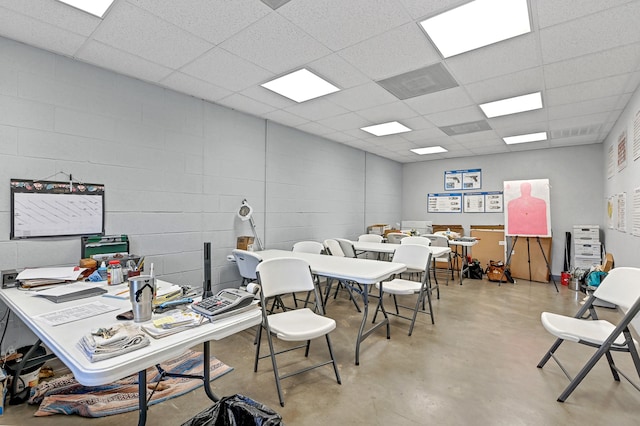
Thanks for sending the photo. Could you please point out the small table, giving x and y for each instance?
(63, 339)
(348, 269)
(464, 266)
(389, 248)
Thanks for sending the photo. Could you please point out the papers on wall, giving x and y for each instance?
(483, 202)
(444, 203)
(75, 313)
(455, 180)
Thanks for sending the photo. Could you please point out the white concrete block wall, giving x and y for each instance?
(175, 169)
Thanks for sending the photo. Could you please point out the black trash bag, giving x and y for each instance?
(236, 410)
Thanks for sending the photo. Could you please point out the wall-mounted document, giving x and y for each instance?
(483, 202)
(444, 203)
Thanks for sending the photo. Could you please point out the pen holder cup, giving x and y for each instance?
(142, 290)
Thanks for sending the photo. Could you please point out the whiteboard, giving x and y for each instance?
(53, 209)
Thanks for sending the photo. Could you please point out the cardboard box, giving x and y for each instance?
(586, 262)
(377, 229)
(244, 242)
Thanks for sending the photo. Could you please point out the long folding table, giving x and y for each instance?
(348, 270)
(63, 339)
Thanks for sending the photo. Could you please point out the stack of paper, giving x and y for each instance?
(173, 322)
(43, 276)
(116, 340)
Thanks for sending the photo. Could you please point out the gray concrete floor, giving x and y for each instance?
(475, 366)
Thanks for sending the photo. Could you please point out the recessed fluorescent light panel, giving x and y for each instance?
(477, 24)
(512, 105)
(300, 86)
(384, 129)
(429, 150)
(94, 7)
(531, 137)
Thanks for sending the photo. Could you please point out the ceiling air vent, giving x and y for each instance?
(431, 79)
(464, 128)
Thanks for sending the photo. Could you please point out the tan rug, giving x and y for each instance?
(64, 395)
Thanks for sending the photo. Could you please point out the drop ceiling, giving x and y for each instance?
(583, 56)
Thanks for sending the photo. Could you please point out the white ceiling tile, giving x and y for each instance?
(286, 118)
(501, 58)
(576, 122)
(592, 33)
(194, 87)
(529, 146)
(31, 31)
(338, 71)
(456, 116)
(576, 109)
(518, 83)
(225, 69)
(424, 134)
(579, 92)
(394, 52)
(275, 44)
(340, 137)
(443, 100)
(471, 138)
(316, 109)
(419, 123)
(140, 33)
(338, 24)
(489, 150)
(242, 103)
(592, 67)
(267, 96)
(420, 9)
(125, 63)
(57, 14)
(519, 119)
(346, 121)
(361, 97)
(315, 128)
(552, 12)
(214, 21)
(576, 140)
(387, 112)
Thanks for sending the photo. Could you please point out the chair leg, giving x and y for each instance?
(583, 372)
(275, 368)
(333, 359)
(550, 352)
(256, 342)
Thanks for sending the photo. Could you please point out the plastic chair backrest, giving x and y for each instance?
(437, 240)
(621, 287)
(247, 262)
(370, 238)
(308, 247)
(347, 247)
(414, 256)
(284, 275)
(395, 237)
(333, 248)
(416, 240)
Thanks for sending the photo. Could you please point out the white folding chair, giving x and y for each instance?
(395, 237)
(313, 247)
(347, 247)
(414, 239)
(441, 241)
(621, 287)
(333, 248)
(247, 262)
(416, 258)
(370, 238)
(283, 276)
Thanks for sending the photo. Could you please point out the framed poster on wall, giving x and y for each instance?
(444, 203)
(528, 209)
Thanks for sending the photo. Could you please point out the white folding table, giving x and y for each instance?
(348, 270)
(464, 266)
(63, 339)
